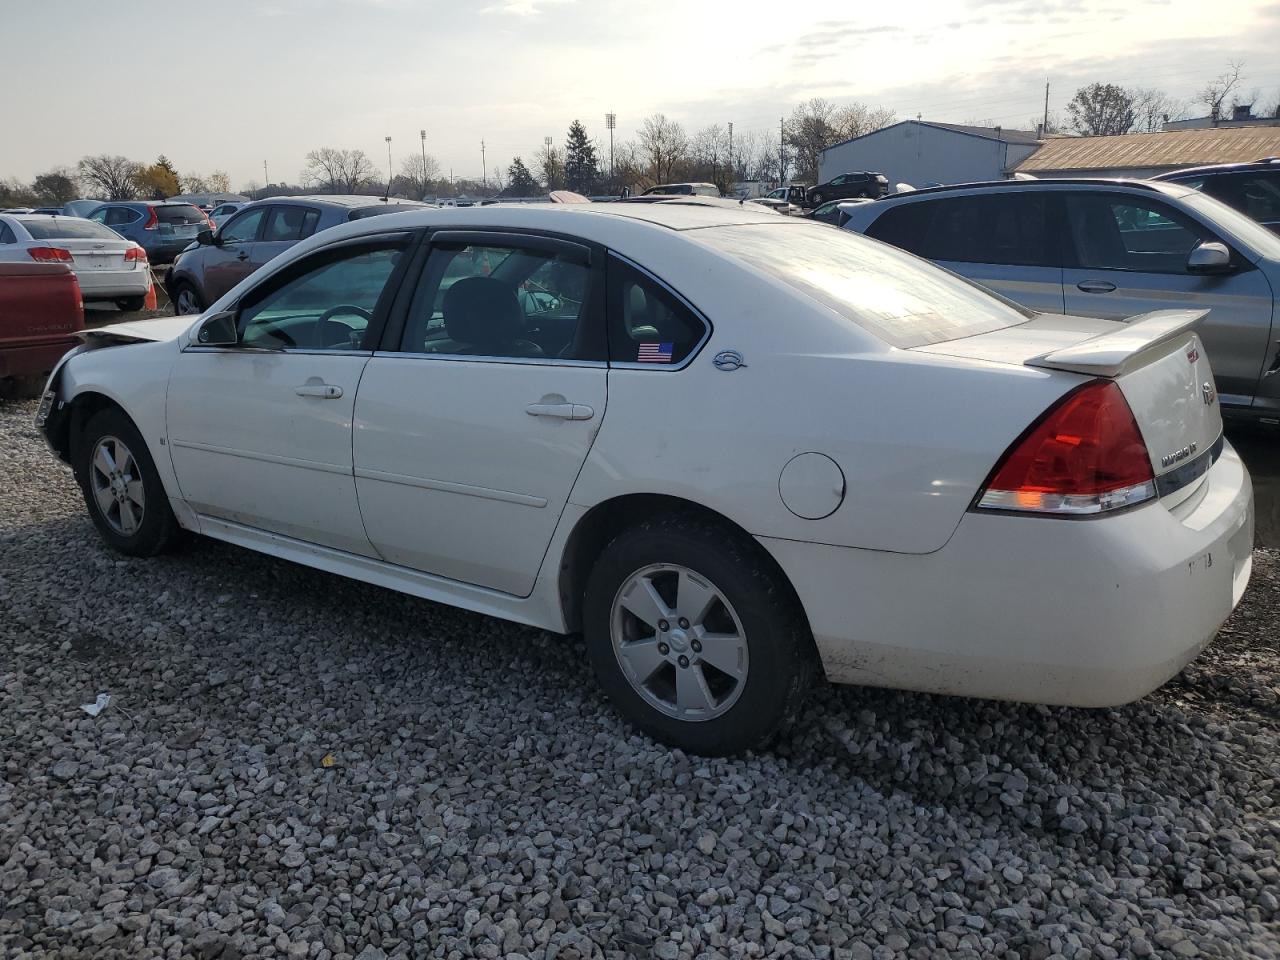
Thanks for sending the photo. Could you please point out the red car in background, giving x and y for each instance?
(41, 311)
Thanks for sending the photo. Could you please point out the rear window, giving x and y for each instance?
(899, 298)
(361, 212)
(67, 228)
(179, 213)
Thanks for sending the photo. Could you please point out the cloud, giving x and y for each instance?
(833, 37)
(521, 8)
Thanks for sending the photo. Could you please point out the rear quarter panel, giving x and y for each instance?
(914, 435)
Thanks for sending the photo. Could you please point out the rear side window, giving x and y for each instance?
(648, 323)
(904, 302)
(6, 234)
(179, 213)
(906, 226)
(119, 216)
(1001, 228)
(68, 228)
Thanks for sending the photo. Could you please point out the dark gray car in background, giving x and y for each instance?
(260, 231)
(1112, 249)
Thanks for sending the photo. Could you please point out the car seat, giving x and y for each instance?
(482, 317)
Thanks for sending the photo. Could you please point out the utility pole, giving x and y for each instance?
(611, 121)
(732, 173)
(1044, 128)
(387, 195)
(484, 170)
(265, 179)
(423, 135)
(782, 151)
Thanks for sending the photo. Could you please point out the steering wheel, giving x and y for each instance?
(342, 308)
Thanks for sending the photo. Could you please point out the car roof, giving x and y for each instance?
(1056, 183)
(1266, 163)
(349, 201)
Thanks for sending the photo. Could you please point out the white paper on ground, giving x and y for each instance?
(95, 708)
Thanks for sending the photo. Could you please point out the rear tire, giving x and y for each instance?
(122, 488)
(724, 605)
(186, 299)
(131, 304)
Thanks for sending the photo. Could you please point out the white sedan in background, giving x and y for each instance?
(224, 211)
(107, 266)
(726, 446)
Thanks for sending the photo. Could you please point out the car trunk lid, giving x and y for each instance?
(1156, 359)
(90, 255)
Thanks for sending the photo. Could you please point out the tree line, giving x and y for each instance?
(109, 177)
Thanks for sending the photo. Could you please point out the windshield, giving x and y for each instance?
(67, 228)
(1217, 213)
(902, 299)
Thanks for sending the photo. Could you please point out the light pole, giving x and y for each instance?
(484, 170)
(388, 193)
(610, 121)
(423, 192)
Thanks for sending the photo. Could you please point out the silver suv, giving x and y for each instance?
(1110, 249)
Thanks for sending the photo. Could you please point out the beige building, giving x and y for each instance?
(1147, 154)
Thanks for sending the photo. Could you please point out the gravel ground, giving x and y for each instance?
(297, 765)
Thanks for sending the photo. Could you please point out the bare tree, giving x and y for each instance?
(55, 187)
(664, 144)
(337, 171)
(810, 129)
(419, 177)
(1216, 91)
(1102, 110)
(111, 176)
(859, 119)
(550, 163)
(709, 157)
(219, 182)
(1153, 108)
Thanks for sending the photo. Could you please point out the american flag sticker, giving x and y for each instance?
(655, 352)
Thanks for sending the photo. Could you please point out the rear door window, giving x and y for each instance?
(996, 228)
(1255, 194)
(289, 224)
(119, 216)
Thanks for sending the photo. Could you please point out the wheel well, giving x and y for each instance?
(603, 522)
(83, 407)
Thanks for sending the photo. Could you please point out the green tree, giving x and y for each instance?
(521, 180)
(581, 164)
(54, 188)
(1102, 110)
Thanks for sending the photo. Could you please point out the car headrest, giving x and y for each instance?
(482, 310)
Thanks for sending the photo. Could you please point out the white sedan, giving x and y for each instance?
(729, 448)
(107, 266)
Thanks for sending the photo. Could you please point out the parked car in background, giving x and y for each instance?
(1252, 188)
(951, 494)
(107, 266)
(48, 211)
(161, 228)
(795, 194)
(80, 208)
(830, 212)
(257, 233)
(40, 313)
(223, 211)
(684, 190)
(848, 185)
(1109, 249)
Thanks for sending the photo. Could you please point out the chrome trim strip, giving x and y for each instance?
(1189, 472)
(264, 457)
(530, 361)
(283, 351)
(447, 486)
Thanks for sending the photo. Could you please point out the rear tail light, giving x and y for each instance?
(49, 254)
(135, 254)
(1085, 456)
(152, 219)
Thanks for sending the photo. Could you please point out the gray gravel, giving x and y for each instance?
(300, 766)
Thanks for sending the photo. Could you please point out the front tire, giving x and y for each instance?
(695, 636)
(186, 299)
(122, 488)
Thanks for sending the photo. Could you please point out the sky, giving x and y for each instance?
(235, 83)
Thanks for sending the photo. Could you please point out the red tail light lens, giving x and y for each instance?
(135, 253)
(1087, 456)
(152, 219)
(49, 254)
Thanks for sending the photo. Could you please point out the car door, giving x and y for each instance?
(230, 258)
(472, 423)
(285, 225)
(260, 431)
(1129, 256)
(1005, 241)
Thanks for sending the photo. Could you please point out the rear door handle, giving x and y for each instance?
(562, 411)
(325, 391)
(1095, 286)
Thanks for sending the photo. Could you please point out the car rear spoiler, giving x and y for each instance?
(1143, 339)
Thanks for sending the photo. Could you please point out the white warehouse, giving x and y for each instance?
(923, 153)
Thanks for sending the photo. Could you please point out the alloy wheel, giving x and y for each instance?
(187, 302)
(679, 642)
(116, 482)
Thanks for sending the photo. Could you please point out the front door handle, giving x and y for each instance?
(562, 411)
(1095, 286)
(242, 255)
(325, 391)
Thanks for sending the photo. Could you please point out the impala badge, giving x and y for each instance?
(728, 360)
(1206, 393)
